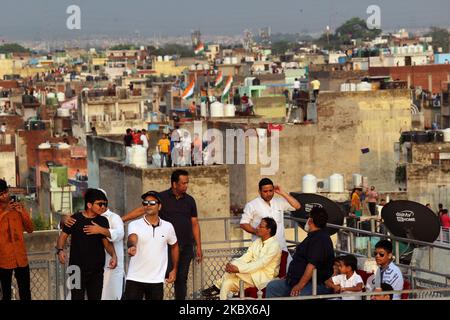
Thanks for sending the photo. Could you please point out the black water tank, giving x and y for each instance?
(421, 137)
(431, 135)
(407, 136)
(439, 136)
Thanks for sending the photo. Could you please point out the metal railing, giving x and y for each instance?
(48, 276)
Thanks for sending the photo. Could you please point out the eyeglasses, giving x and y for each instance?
(149, 203)
(378, 254)
(102, 204)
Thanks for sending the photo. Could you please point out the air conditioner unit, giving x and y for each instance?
(323, 185)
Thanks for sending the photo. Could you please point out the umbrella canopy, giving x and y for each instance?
(311, 200)
(408, 219)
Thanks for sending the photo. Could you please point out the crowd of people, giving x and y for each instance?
(177, 148)
(164, 237)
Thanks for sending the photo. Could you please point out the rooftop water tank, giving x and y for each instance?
(203, 109)
(166, 58)
(227, 60)
(446, 133)
(234, 60)
(337, 183)
(348, 87)
(139, 156)
(61, 96)
(44, 145)
(309, 184)
(364, 86)
(357, 180)
(63, 112)
(217, 110)
(230, 110)
(160, 58)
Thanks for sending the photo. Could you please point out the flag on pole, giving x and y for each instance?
(219, 80)
(71, 104)
(226, 90)
(189, 91)
(199, 49)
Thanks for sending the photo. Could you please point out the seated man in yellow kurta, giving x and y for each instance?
(256, 267)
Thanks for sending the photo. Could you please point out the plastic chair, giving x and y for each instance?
(253, 291)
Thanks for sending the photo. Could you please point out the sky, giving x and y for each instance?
(34, 19)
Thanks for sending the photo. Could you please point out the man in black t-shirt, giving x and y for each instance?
(315, 252)
(87, 252)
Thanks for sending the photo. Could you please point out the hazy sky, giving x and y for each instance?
(30, 19)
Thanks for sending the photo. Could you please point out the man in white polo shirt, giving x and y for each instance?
(266, 205)
(148, 239)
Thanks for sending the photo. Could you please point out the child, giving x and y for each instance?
(384, 288)
(348, 280)
(336, 266)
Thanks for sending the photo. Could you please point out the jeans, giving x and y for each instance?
(137, 290)
(91, 283)
(166, 157)
(280, 288)
(22, 275)
(184, 262)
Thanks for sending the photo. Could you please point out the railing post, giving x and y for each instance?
(314, 282)
(296, 231)
(352, 240)
(430, 258)
(369, 247)
(225, 221)
(241, 289)
(397, 252)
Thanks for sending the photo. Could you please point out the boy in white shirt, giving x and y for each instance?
(348, 280)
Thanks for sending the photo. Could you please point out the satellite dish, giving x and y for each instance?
(408, 219)
(311, 200)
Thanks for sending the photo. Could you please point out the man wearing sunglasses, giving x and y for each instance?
(87, 251)
(148, 241)
(180, 210)
(387, 271)
(112, 278)
(14, 220)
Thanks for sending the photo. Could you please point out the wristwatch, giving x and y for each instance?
(58, 250)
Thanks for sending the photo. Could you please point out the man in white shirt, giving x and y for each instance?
(387, 271)
(144, 139)
(266, 205)
(296, 84)
(148, 240)
(112, 278)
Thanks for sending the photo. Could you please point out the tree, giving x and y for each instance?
(440, 38)
(123, 47)
(280, 47)
(12, 48)
(353, 29)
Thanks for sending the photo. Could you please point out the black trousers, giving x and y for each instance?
(184, 262)
(22, 275)
(137, 290)
(372, 208)
(92, 284)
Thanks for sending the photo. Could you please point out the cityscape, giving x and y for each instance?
(302, 154)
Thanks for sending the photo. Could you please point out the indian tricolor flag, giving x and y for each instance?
(199, 49)
(189, 91)
(226, 90)
(219, 80)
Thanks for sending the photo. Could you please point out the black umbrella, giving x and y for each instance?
(311, 200)
(408, 219)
